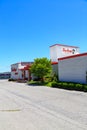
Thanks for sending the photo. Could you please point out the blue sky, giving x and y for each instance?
(29, 27)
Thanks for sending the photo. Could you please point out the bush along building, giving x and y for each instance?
(21, 71)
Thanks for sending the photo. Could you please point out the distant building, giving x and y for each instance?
(5, 75)
(21, 71)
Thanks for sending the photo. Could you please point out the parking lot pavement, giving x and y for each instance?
(24, 107)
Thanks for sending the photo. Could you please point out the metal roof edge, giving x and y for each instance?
(73, 56)
(64, 45)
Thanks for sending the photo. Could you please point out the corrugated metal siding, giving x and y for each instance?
(73, 70)
(55, 69)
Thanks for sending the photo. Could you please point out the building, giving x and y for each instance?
(58, 50)
(21, 71)
(5, 75)
(73, 68)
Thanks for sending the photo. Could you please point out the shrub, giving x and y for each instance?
(85, 88)
(60, 84)
(54, 84)
(79, 87)
(71, 86)
(54, 77)
(47, 78)
(11, 79)
(65, 85)
(49, 84)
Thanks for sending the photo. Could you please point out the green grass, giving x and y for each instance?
(62, 85)
(36, 83)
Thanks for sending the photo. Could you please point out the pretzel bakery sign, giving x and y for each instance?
(68, 50)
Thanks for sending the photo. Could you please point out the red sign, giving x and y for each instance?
(67, 50)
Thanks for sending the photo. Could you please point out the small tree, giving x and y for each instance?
(41, 67)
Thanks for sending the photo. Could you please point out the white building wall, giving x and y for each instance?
(14, 71)
(17, 73)
(73, 69)
(26, 74)
(58, 51)
(20, 74)
(53, 53)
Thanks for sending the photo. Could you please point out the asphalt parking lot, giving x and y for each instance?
(24, 107)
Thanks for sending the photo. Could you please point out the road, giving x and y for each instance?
(24, 107)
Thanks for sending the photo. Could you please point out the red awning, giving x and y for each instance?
(25, 68)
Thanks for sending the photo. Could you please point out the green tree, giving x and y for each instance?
(41, 67)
